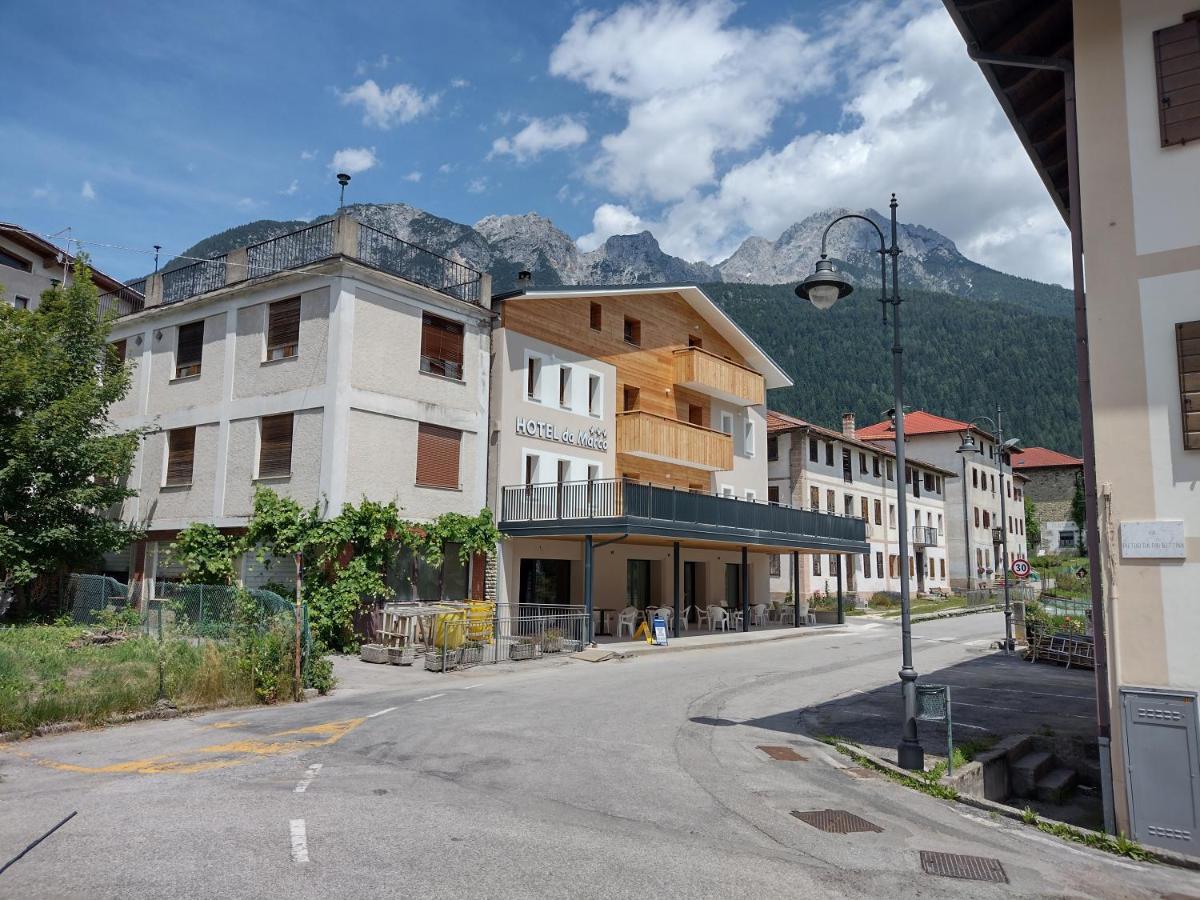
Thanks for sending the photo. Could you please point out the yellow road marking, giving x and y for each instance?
(214, 756)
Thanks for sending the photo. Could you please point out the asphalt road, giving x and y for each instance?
(639, 778)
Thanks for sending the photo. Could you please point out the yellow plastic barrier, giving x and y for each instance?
(480, 617)
(449, 630)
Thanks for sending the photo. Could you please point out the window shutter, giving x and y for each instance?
(438, 456)
(1187, 340)
(441, 346)
(1177, 67)
(190, 349)
(283, 327)
(181, 453)
(275, 446)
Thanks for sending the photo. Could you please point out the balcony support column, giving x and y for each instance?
(841, 607)
(745, 573)
(587, 589)
(795, 588)
(675, 572)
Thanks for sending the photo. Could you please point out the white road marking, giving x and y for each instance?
(469, 686)
(299, 842)
(430, 697)
(302, 786)
(382, 711)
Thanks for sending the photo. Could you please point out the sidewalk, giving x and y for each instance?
(706, 640)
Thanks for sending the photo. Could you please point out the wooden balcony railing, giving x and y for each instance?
(669, 440)
(716, 376)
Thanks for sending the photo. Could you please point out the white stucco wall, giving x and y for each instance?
(254, 376)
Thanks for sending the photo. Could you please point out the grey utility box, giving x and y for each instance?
(1162, 767)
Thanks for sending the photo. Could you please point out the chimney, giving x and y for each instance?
(524, 279)
(848, 424)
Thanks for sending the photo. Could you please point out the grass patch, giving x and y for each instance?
(919, 607)
(922, 781)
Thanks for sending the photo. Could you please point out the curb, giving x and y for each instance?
(1167, 857)
(785, 636)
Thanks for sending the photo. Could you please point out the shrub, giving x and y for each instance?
(320, 670)
(884, 600)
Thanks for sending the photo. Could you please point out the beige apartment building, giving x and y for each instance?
(819, 468)
(30, 264)
(330, 364)
(1112, 124)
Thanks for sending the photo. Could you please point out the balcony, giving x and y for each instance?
(657, 437)
(997, 536)
(615, 506)
(718, 377)
(924, 536)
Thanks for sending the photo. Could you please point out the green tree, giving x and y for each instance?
(206, 554)
(62, 463)
(1079, 510)
(1033, 527)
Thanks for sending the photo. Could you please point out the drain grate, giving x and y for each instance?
(835, 821)
(956, 865)
(783, 754)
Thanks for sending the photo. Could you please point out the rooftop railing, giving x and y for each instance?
(188, 281)
(391, 254)
(129, 299)
(291, 250)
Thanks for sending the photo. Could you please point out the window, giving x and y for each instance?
(847, 467)
(987, 519)
(564, 387)
(694, 341)
(977, 517)
(181, 454)
(890, 471)
(865, 506)
(1007, 486)
(564, 470)
(727, 423)
(438, 451)
(275, 446)
(814, 498)
(748, 436)
(974, 477)
(1176, 59)
(596, 314)
(891, 515)
(928, 479)
(533, 378)
(751, 494)
(878, 512)
(831, 501)
(773, 563)
(15, 262)
(878, 564)
(848, 504)
(773, 494)
(942, 568)
(696, 417)
(939, 523)
(916, 483)
(867, 564)
(189, 349)
(772, 447)
(862, 463)
(531, 468)
(630, 397)
(812, 450)
(893, 565)
(283, 331)
(829, 453)
(442, 347)
(21, 303)
(116, 353)
(633, 331)
(816, 563)
(992, 479)
(875, 466)
(594, 395)
(1187, 343)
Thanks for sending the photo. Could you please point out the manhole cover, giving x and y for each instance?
(784, 754)
(956, 865)
(835, 821)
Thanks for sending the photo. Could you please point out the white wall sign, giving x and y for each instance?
(593, 438)
(1153, 540)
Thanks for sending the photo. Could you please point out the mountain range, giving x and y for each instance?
(999, 338)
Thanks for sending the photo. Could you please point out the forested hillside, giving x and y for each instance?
(961, 358)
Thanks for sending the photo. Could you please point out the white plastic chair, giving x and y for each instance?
(718, 616)
(688, 612)
(627, 619)
(667, 614)
(787, 614)
(701, 616)
(758, 614)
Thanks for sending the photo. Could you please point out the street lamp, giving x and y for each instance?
(969, 446)
(823, 288)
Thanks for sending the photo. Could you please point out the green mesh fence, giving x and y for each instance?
(85, 597)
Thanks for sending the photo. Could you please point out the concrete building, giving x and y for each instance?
(1112, 124)
(974, 519)
(629, 447)
(819, 468)
(30, 264)
(1053, 479)
(331, 364)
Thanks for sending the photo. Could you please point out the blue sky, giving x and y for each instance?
(135, 124)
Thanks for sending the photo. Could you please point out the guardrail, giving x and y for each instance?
(198, 278)
(391, 254)
(291, 250)
(126, 300)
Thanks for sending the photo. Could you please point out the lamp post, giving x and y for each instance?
(823, 288)
(968, 446)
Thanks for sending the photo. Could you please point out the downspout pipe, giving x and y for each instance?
(1086, 419)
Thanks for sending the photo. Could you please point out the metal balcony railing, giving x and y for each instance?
(924, 536)
(391, 254)
(198, 278)
(291, 250)
(997, 535)
(129, 299)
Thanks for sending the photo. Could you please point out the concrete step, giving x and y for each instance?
(1028, 770)
(1056, 786)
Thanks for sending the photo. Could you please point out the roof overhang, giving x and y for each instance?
(50, 253)
(756, 358)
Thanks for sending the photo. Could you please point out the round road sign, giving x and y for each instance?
(1021, 568)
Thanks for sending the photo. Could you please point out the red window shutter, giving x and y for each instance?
(1187, 339)
(275, 446)
(1177, 67)
(283, 328)
(189, 349)
(438, 451)
(181, 454)
(441, 346)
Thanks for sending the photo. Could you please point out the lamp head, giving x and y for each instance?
(825, 286)
(968, 444)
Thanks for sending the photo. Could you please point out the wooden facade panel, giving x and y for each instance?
(1187, 334)
(702, 370)
(672, 474)
(665, 438)
(1177, 70)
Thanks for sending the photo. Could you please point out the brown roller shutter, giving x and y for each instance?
(1177, 67)
(1187, 340)
(275, 446)
(437, 456)
(181, 453)
(441, 346)
(283, 328)
(189, 349)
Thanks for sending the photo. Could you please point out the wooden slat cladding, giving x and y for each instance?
(441, 346)
(1177, 68)
(283, 328)
(1187, 340)
(663, 438)
(275, 446)
(181, 456)
(438, 454)
(189, 349)
(710, 374)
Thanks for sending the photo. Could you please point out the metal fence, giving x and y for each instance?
(124, 301)
(198, 278)
(391, 254)
(291, 250)
(85, 598)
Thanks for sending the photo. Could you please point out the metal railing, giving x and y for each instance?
(524, 636)
(391, 254)
(924, 536)
(124, 301)
(291, 250)
(198, 278)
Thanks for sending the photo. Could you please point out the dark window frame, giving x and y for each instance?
(442, 346)
(283, 329)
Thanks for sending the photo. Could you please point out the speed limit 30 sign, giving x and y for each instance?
(1021, 568)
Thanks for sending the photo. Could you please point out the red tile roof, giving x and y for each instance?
(1043, 458)
(916, 422)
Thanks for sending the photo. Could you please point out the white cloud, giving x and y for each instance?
(40, 193)
(446, 168)
(413, 176)
(384, 108)
(246, 203)
(477, 185)
(291, 189)
(87, 192)
(459, 83)
(353, 160)
(610, 219)
(308, 154)
(540, 135)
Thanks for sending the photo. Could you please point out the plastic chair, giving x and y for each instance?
(667, 614)
(758, 614)
(718, 616)
(701, 616)
(688, 612)
(627, 619)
